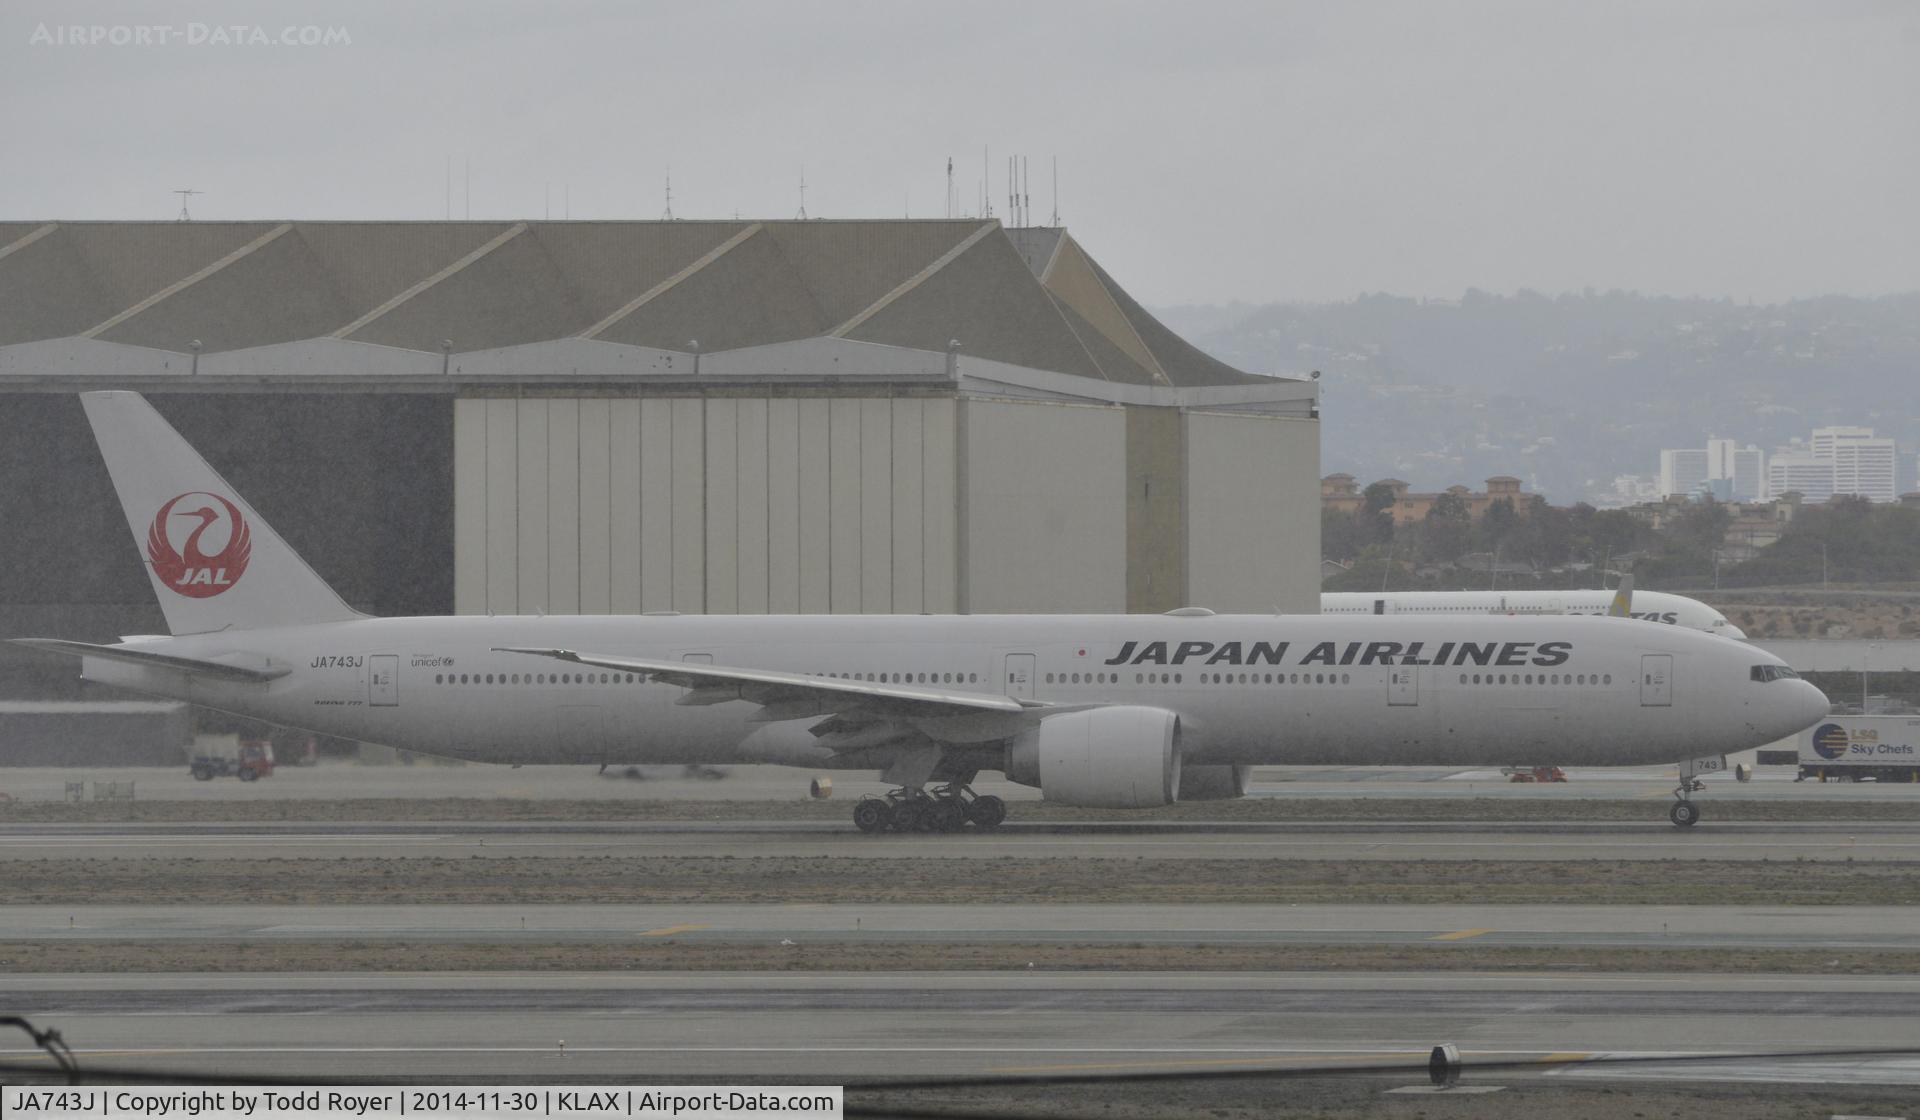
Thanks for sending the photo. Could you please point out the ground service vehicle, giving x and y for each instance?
(1858, 748)
(250, 761)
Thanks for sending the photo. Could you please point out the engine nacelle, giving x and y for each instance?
(1214, 783)
(1107, 758)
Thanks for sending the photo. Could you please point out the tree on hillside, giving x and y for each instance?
(1446, 533)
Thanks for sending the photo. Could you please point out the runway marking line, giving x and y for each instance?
(1567, 1057)
(1460, 935)
(1317, 1059)
(668, 931)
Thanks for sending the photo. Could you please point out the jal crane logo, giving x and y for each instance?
(199, 521)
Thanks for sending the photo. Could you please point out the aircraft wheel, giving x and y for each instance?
(1684, 814)
(871, 816)
(907, 816)
(987, 811)
(947, 816)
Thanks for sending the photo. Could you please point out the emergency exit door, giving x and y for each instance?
(1656, 680)
(383, 680)
(1403, 685)
(1020, 675)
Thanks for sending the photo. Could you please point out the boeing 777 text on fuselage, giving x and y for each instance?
(1119, 711)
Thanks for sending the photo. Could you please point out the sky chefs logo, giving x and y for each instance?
(1830, 741)
(183, 532)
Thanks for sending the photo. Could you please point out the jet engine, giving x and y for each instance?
(1106, 758)
(1214, 783)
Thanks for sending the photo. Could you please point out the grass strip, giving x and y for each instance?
(1004, 881)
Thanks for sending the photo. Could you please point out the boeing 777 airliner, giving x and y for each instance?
(1118, 711)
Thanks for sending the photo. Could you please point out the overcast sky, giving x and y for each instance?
(1208, 152)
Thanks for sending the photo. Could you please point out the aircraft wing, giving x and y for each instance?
(860, 713)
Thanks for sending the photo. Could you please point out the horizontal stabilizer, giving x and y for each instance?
(218, 670)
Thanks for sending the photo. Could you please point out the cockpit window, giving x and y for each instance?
(1773, 673)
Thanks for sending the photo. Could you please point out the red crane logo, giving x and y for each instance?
(189, 569)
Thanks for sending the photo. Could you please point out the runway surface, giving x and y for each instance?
(1386, 840)
(836, 1027)
(1830, 928)
(334, 780)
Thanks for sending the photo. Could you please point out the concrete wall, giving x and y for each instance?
(722, 505)
(1253, 513)
(1046, 507)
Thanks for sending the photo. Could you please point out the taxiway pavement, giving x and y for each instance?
(1832, 841)
(1732, 928)
(832, 1027)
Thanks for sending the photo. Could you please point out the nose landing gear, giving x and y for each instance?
(947, 808)
(1684, 813)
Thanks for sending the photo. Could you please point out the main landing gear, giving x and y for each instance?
(947, 808)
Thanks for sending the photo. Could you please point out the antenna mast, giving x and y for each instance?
(803, 195)
(1026, 193)
(186, 194)
(667, 214)
(1056, 192)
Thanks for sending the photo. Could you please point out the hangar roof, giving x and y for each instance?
(513, 298)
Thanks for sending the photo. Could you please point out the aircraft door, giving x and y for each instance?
(383, 680)
(1020, 675)
(1403, 685)
(1656, 680)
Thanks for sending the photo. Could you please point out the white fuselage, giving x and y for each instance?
(1648, 606)
(1248, 689)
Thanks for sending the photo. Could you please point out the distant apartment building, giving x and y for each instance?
(1342, 493)
(1743, 469)
(1683, 471)
(1808, 475)
(1862, 464)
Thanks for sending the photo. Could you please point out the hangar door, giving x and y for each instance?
(1656, 680)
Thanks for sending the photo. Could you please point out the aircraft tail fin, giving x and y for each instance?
(215, 564)
(1622, 605)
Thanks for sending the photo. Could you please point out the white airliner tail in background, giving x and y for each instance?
(196, 535)
(1648, 606)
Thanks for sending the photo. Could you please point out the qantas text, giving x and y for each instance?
(1351, 653)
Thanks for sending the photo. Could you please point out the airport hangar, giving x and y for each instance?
(577, 416)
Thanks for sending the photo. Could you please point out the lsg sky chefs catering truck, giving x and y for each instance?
(1854, 748)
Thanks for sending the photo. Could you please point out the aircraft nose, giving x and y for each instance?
(1732, 631)
(1808, 705)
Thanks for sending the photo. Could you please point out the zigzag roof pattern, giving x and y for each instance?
(1031, 298)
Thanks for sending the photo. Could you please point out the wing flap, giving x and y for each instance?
(836, 694)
